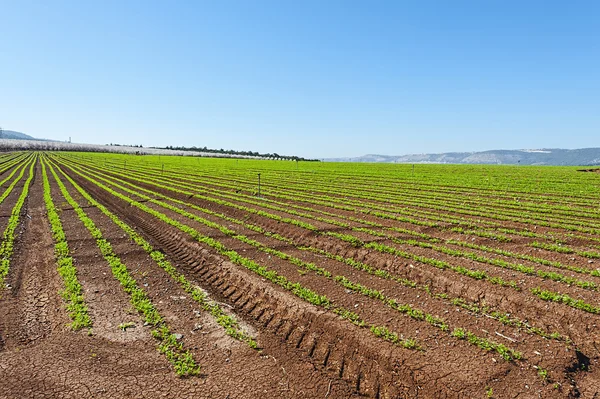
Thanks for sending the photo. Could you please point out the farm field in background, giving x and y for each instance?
(153, 276)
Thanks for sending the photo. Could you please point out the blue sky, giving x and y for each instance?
(310, 78)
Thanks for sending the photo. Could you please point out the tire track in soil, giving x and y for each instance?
(219, 355)
(65, 364)
(552, 352)
(291, 327)
(567, 320)
(334, 344)
(455, 354)
(517, 243)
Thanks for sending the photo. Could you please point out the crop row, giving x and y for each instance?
(182, 360)
(472, 227)
(352, 240)
(405, 194)
(227, 321)
(308, 266)
(295, 288)
(474, 274)
(376, 211)
(481, 275)
(8, 237)
(340, 279)
(73, 292)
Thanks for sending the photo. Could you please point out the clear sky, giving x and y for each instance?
(320, 78)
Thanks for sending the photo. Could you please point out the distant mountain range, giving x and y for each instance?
(550, 156)
(10, 134)
(544, 156)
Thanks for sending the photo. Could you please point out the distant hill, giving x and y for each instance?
(550, 156)
(10, 134)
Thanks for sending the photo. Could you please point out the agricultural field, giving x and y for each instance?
(154, 276)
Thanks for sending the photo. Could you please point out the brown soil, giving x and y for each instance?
(41, 357)
(305, 351)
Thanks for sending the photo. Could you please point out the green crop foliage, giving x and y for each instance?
(358, 243)
(229, 322)
(349, 203)
(73, 291)
(8, 237)
(295, 288)
(565, 299)
(470, 273)
(181, 359)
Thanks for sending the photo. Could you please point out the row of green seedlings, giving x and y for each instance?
(487, 234)
(194, 182)
(17, 159)
(15, 165)
(73, 291)
(548, 275)
(376, 246)
(485, 248)
(345, 282)
(434, 190)
(373, 209)
(486, 202)
(555, 277)
(505, 352)
(470, 255)
(504, 318)
(527, 270)
(563, 249)
(181, 359)
(565, 299)
(310, 197)
(416, 314)
(227, 321)
(443, 205)
(365, 208)
(500, 237)
(535, 259)
(8, 237)
(353, 180)
(370, 180)
(16, 181)
(497, 315)
(7, 158)
(478, 258)
(354, 241)
(415, 199)
(474, 228)
(294, 287)
(349, 238)
(533, 203)
(381, 273)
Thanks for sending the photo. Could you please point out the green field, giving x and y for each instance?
(420, 264)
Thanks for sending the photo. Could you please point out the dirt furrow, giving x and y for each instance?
(290, 327)
(219, 355)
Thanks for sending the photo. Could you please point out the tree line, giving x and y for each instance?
(242, 153)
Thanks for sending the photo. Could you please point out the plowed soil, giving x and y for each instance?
(305, 351)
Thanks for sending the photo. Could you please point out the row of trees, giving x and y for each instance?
(35, 145)
(241, 153)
